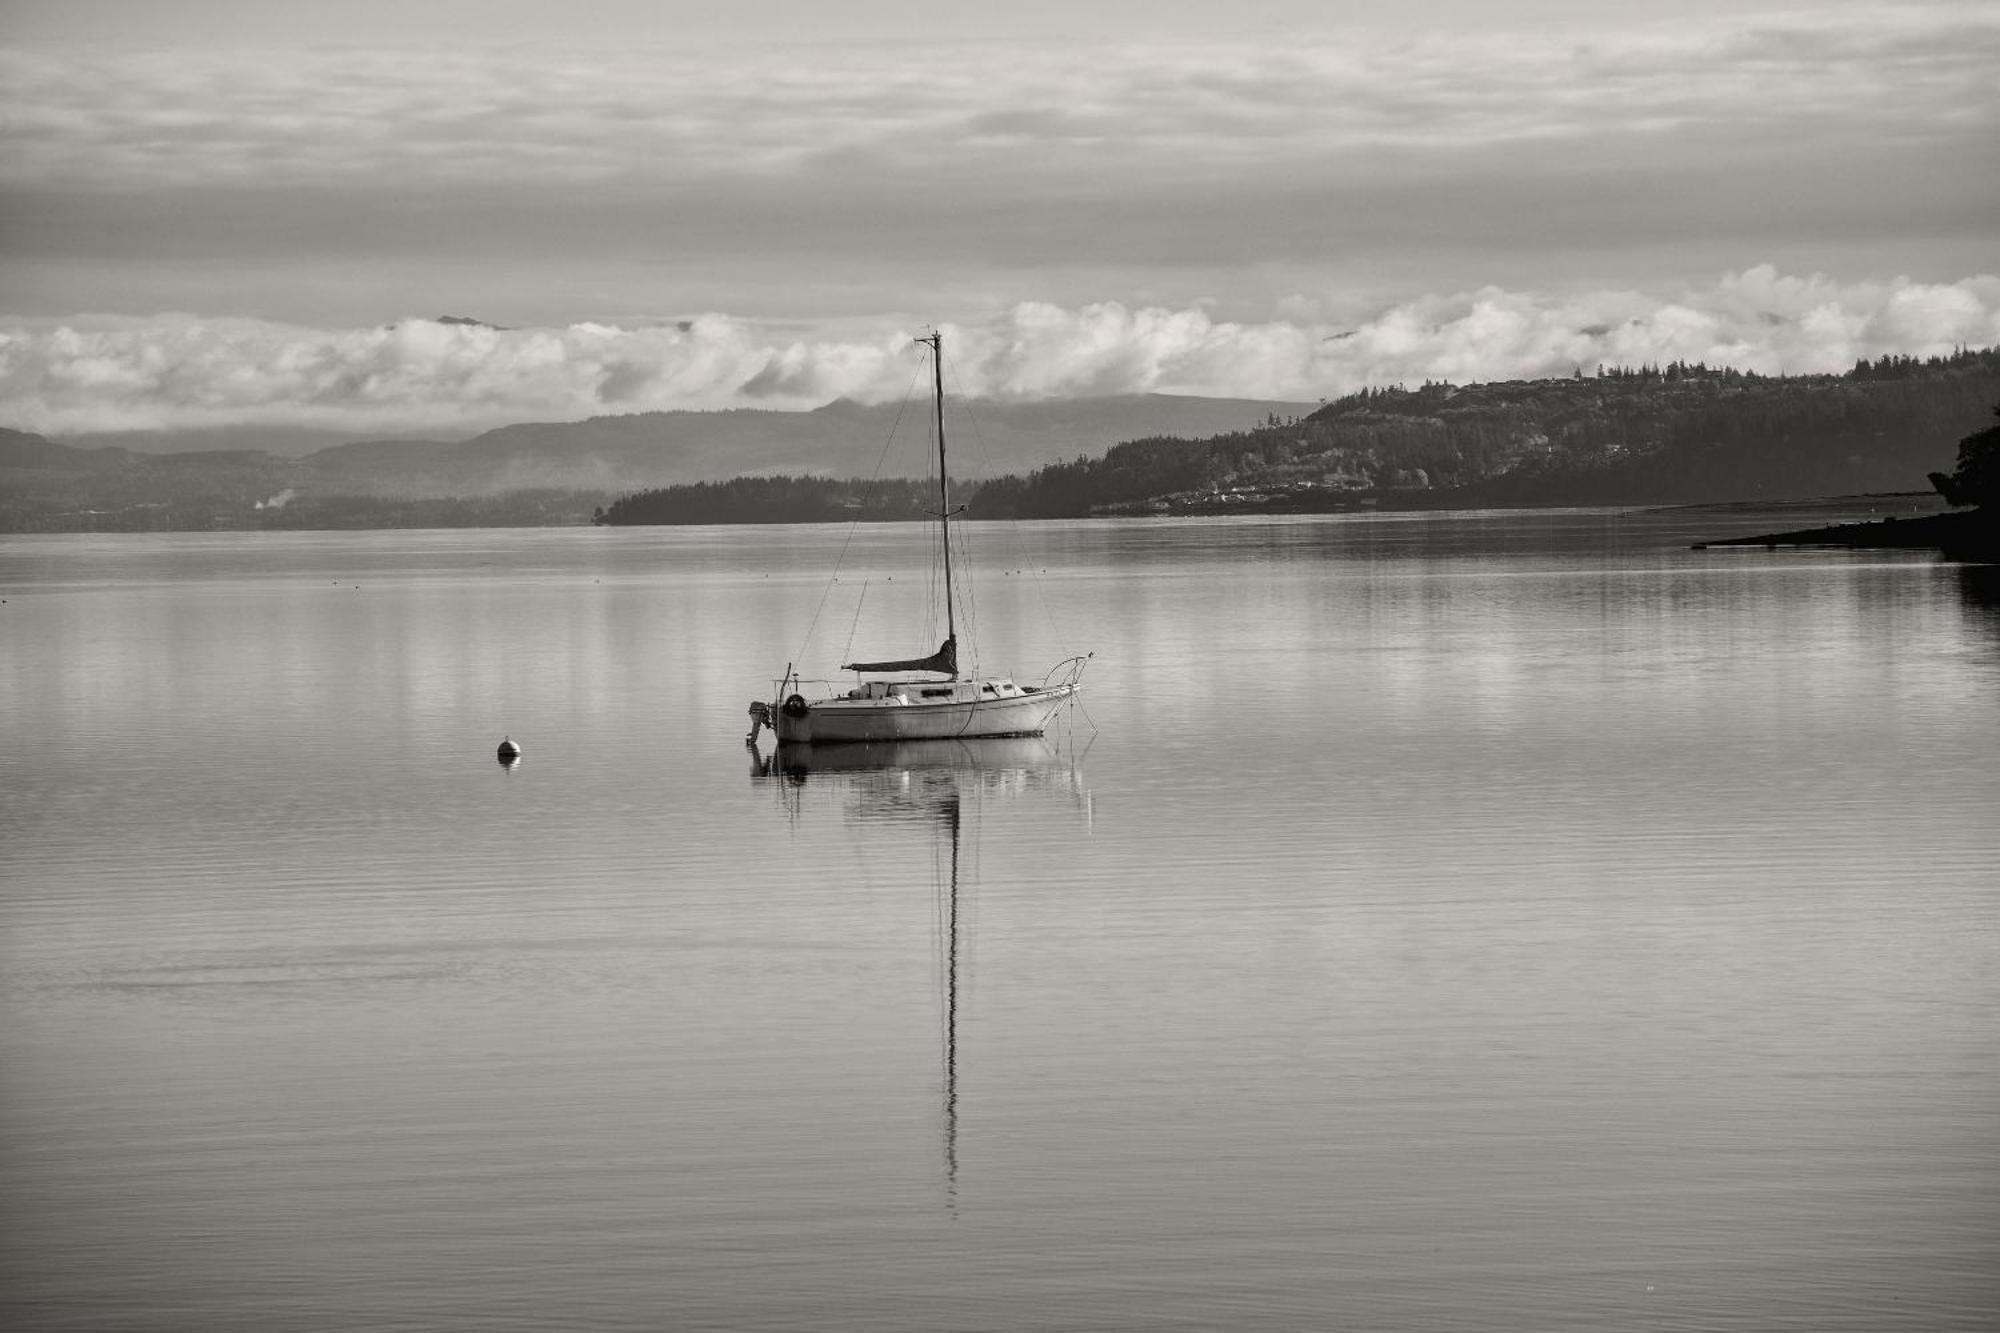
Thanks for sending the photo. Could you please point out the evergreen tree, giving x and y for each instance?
(1976, 480)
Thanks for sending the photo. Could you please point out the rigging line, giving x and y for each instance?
(937, 589)
(840, 558)
(935, 582)
(968, 602)
(847, 653)
(934, 586)
(1077, 701)
(991, 470)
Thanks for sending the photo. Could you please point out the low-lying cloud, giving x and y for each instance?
(182, 372)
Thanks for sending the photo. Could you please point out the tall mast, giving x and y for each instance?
(936, 340)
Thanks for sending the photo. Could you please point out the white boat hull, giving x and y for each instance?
(841, 719)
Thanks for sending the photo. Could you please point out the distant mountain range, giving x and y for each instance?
(203, 479)
(1652, 435)
(842, 439)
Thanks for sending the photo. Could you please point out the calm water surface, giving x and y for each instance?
(1507, 921)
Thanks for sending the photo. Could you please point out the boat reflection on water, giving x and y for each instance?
(944, 786)
(890, 779)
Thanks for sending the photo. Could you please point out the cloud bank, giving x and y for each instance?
(182, 372)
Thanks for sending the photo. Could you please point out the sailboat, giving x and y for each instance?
(919, 698)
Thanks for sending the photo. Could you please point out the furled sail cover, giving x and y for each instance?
(943, 661)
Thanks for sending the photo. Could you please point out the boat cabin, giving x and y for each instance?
(940, 691)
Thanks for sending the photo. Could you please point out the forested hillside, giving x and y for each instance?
(776, 500)
(1656, 435)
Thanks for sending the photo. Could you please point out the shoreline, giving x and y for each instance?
(1968, 535)
(1920, 524)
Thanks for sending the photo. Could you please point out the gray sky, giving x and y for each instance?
(195, 184)
(206, 23)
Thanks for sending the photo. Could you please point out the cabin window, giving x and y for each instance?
(937, 694)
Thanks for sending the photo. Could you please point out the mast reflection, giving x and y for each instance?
(931, 784)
